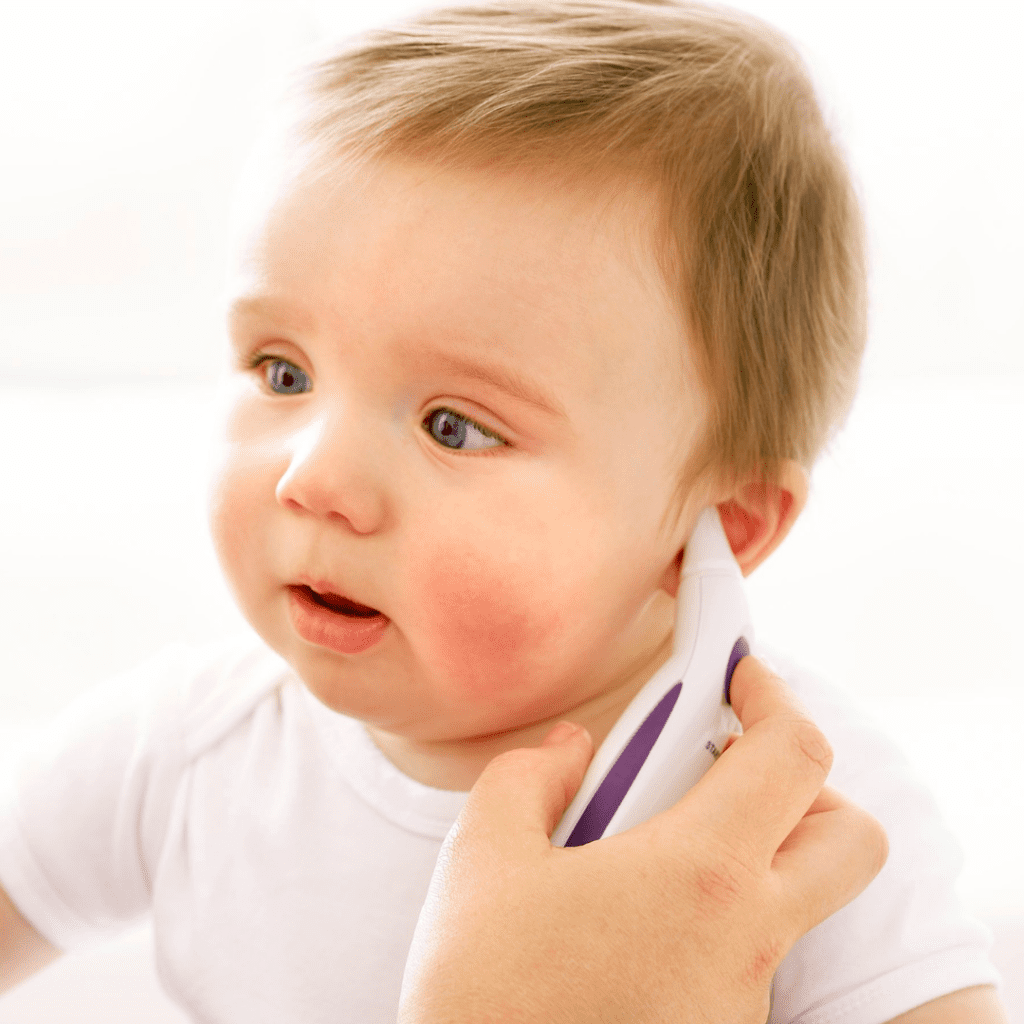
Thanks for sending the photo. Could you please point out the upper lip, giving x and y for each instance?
(326, 588)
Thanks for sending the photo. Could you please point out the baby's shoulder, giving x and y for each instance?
(179, 702)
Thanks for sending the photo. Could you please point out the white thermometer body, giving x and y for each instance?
(677, 725)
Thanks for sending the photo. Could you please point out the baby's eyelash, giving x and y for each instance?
(251, 362)
(258, 358)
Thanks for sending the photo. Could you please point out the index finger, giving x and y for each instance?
(761, 787)
(756, 693)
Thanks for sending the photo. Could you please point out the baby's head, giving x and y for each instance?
(518, 291)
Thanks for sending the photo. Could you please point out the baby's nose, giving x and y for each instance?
(332, 472)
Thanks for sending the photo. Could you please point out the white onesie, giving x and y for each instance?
(284, 859)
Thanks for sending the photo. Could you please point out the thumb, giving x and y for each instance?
(525, 792)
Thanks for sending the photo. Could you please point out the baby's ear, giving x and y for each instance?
(758, 517)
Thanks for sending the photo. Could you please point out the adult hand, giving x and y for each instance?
(683, 918)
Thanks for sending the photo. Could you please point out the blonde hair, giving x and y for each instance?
(763, 226)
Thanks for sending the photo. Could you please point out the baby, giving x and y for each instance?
(517, 291)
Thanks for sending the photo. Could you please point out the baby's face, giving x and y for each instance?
(514, 546)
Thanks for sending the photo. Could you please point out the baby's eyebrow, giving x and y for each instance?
(502, 377)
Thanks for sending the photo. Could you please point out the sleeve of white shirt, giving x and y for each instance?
(906, 939)
(83, 810)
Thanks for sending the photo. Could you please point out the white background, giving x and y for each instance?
(124, 126)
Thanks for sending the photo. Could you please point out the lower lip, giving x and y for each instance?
(342, 633)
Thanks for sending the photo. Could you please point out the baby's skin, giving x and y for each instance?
(517, 542)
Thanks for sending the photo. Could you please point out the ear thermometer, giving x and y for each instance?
(677, 725)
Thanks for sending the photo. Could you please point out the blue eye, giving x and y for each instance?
(450, 429)
(285, 378)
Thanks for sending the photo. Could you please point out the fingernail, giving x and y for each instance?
(562, 733)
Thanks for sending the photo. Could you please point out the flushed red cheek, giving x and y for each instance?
(491, 627)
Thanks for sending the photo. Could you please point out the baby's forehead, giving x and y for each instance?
(623, 199)
(546, 212)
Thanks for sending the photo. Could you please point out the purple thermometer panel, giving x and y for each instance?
(605, 802)
(740, 650)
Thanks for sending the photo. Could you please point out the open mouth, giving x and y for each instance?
(337, 603)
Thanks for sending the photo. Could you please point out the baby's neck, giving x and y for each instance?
(456, 765)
